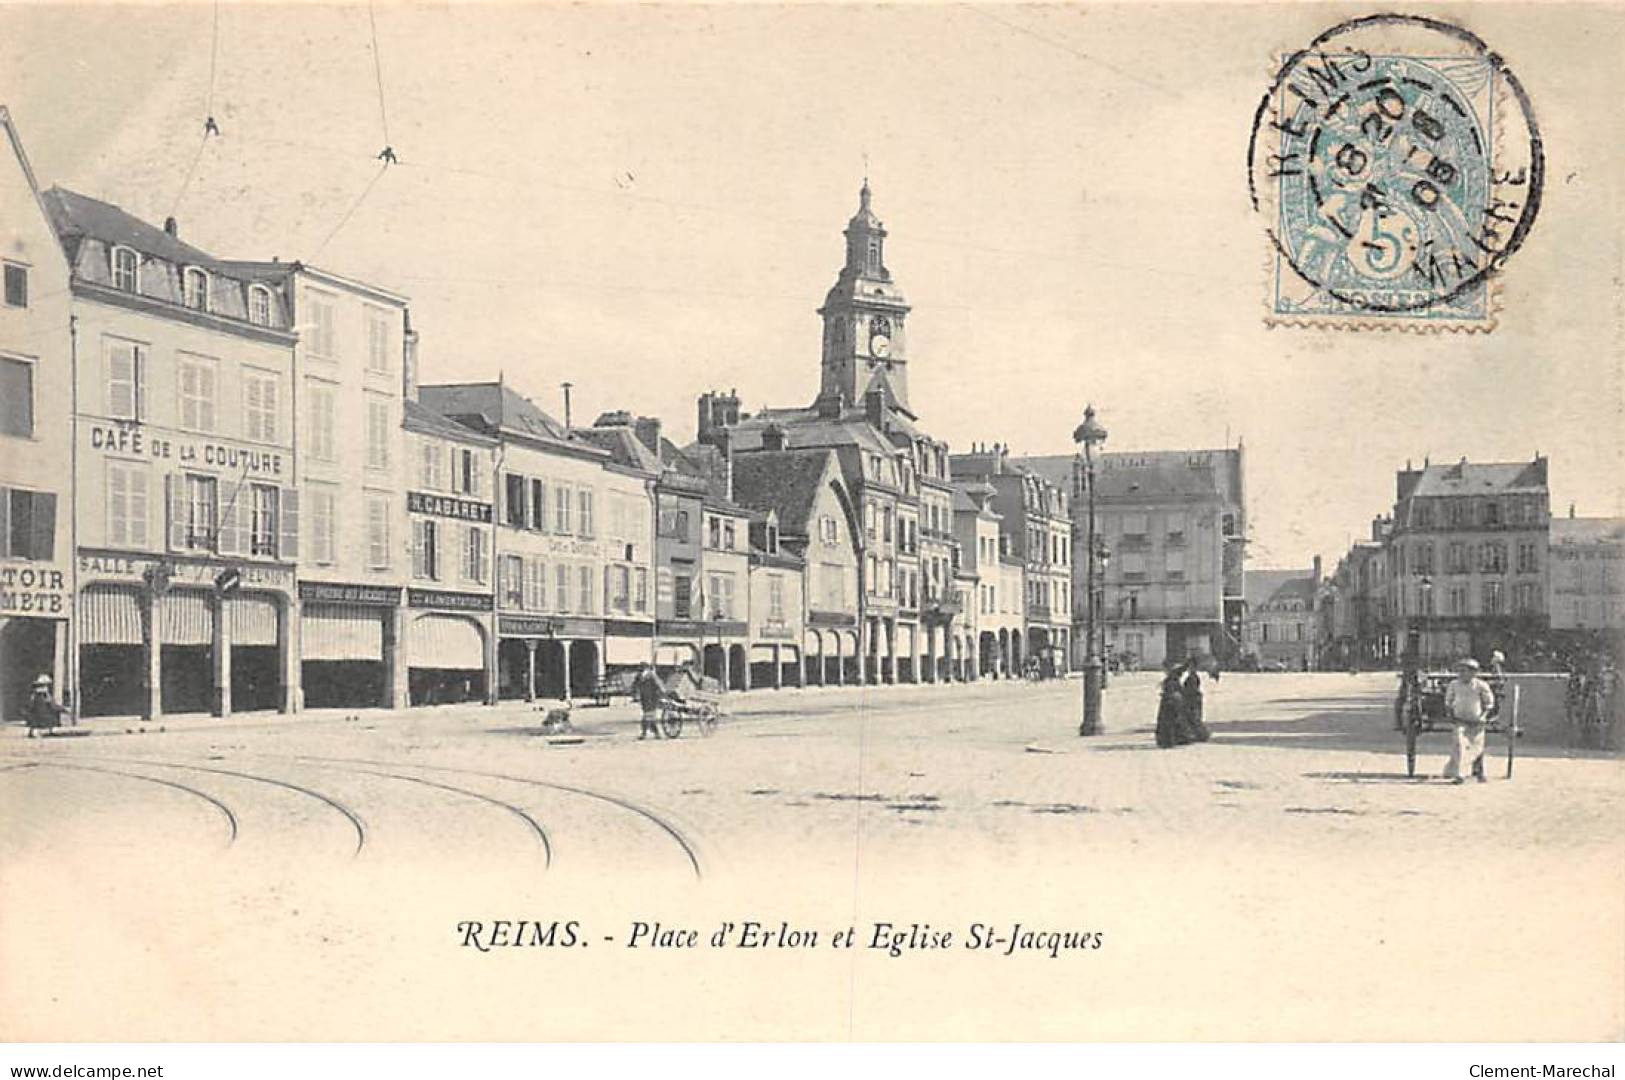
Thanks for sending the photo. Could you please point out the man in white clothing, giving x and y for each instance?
(1469, 700)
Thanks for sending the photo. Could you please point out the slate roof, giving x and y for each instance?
(421, 418)
(491, 407)
(1477, 478)
(1260, 587)
(623, 444)
(1588, 530)
(804, 428)
(786, 482)
(76, 217)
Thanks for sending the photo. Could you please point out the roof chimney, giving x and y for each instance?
(171, 227)
(409, 359)
(648, 432)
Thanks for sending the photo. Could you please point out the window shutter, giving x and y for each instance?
(6, 495)
(230, 538)
(175, 487)
(288, 542)
(121, 381)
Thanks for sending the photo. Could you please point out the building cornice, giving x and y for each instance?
(162, 309)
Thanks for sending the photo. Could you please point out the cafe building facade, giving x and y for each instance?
(186, 492)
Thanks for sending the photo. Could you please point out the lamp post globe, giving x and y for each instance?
(1089, 435)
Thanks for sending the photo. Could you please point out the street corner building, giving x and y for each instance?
(36, 546)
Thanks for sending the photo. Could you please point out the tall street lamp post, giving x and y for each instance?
(1088, 435)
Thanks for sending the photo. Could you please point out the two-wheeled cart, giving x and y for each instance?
(703, 710)
(1422, 710)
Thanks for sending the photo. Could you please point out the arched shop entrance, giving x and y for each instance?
(445, 655)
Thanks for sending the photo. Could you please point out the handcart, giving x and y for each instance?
(1422, 710)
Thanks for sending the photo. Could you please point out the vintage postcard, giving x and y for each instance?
(811, 522)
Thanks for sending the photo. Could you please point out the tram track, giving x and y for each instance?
(689, 849)
(357, 825)
(224, 810)
(535, 826)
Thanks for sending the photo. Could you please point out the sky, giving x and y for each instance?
(647, 201)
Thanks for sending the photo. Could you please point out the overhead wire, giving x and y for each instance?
(210, 127)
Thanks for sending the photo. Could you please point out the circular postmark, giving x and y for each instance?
(1397, 165)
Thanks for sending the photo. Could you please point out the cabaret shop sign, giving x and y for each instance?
(130, 439)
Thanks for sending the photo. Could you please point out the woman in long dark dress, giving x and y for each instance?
(1191, 692)
(1171, 729)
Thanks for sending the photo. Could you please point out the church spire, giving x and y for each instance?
(863, 316)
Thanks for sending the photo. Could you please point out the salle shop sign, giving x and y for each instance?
(33, 589)
(131, 439)
(185, 573)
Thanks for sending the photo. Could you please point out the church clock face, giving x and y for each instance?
(880, 337)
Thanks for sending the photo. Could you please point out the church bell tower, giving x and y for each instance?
(864, 312)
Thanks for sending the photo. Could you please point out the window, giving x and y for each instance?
(828, 531)
(126, 380)
(1134, 525)
(640, 589)
(674, 524)
(474, 564)
(16, 398)
(538, 505)
(1492, 598)
(561, 510)
(426, 549)
(378, 532)
(126, 270)
(27, 524)
(377, 340)
(885, 523)
(620, 590)
(1133, 564)
(1422, 560)
(201, 495)
(515, 492)
(561, 592)
(196, 378)
(1491, 513)
(536, 599)
(682, 596)
(584, 585)
(322, 421)
(126, 505)
(869, 519)
(1528, 559)
(259, 305)
(721, 600)
(1525, 598)
(1175, 564)
(429, 466)
(728, 535)
(775, 600)
(262, 523)
(1176, 528)
(1422, 514)
(377, 432)
(1455, 559)
(466, 473)
(195, 288)
(511, 582)
(321, 503)
(713, 528)
(259, 405)
(1492, 558)
(16, 285)
(1457, 600)
(319, 325)
(584, 519)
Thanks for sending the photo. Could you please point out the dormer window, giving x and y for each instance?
(195, 288)
(259, 305)
(126, 270)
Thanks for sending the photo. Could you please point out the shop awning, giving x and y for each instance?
(251, 620)
(186, 617)
(627, 650)
(109, 615)
(342, 632)
(445, 642)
